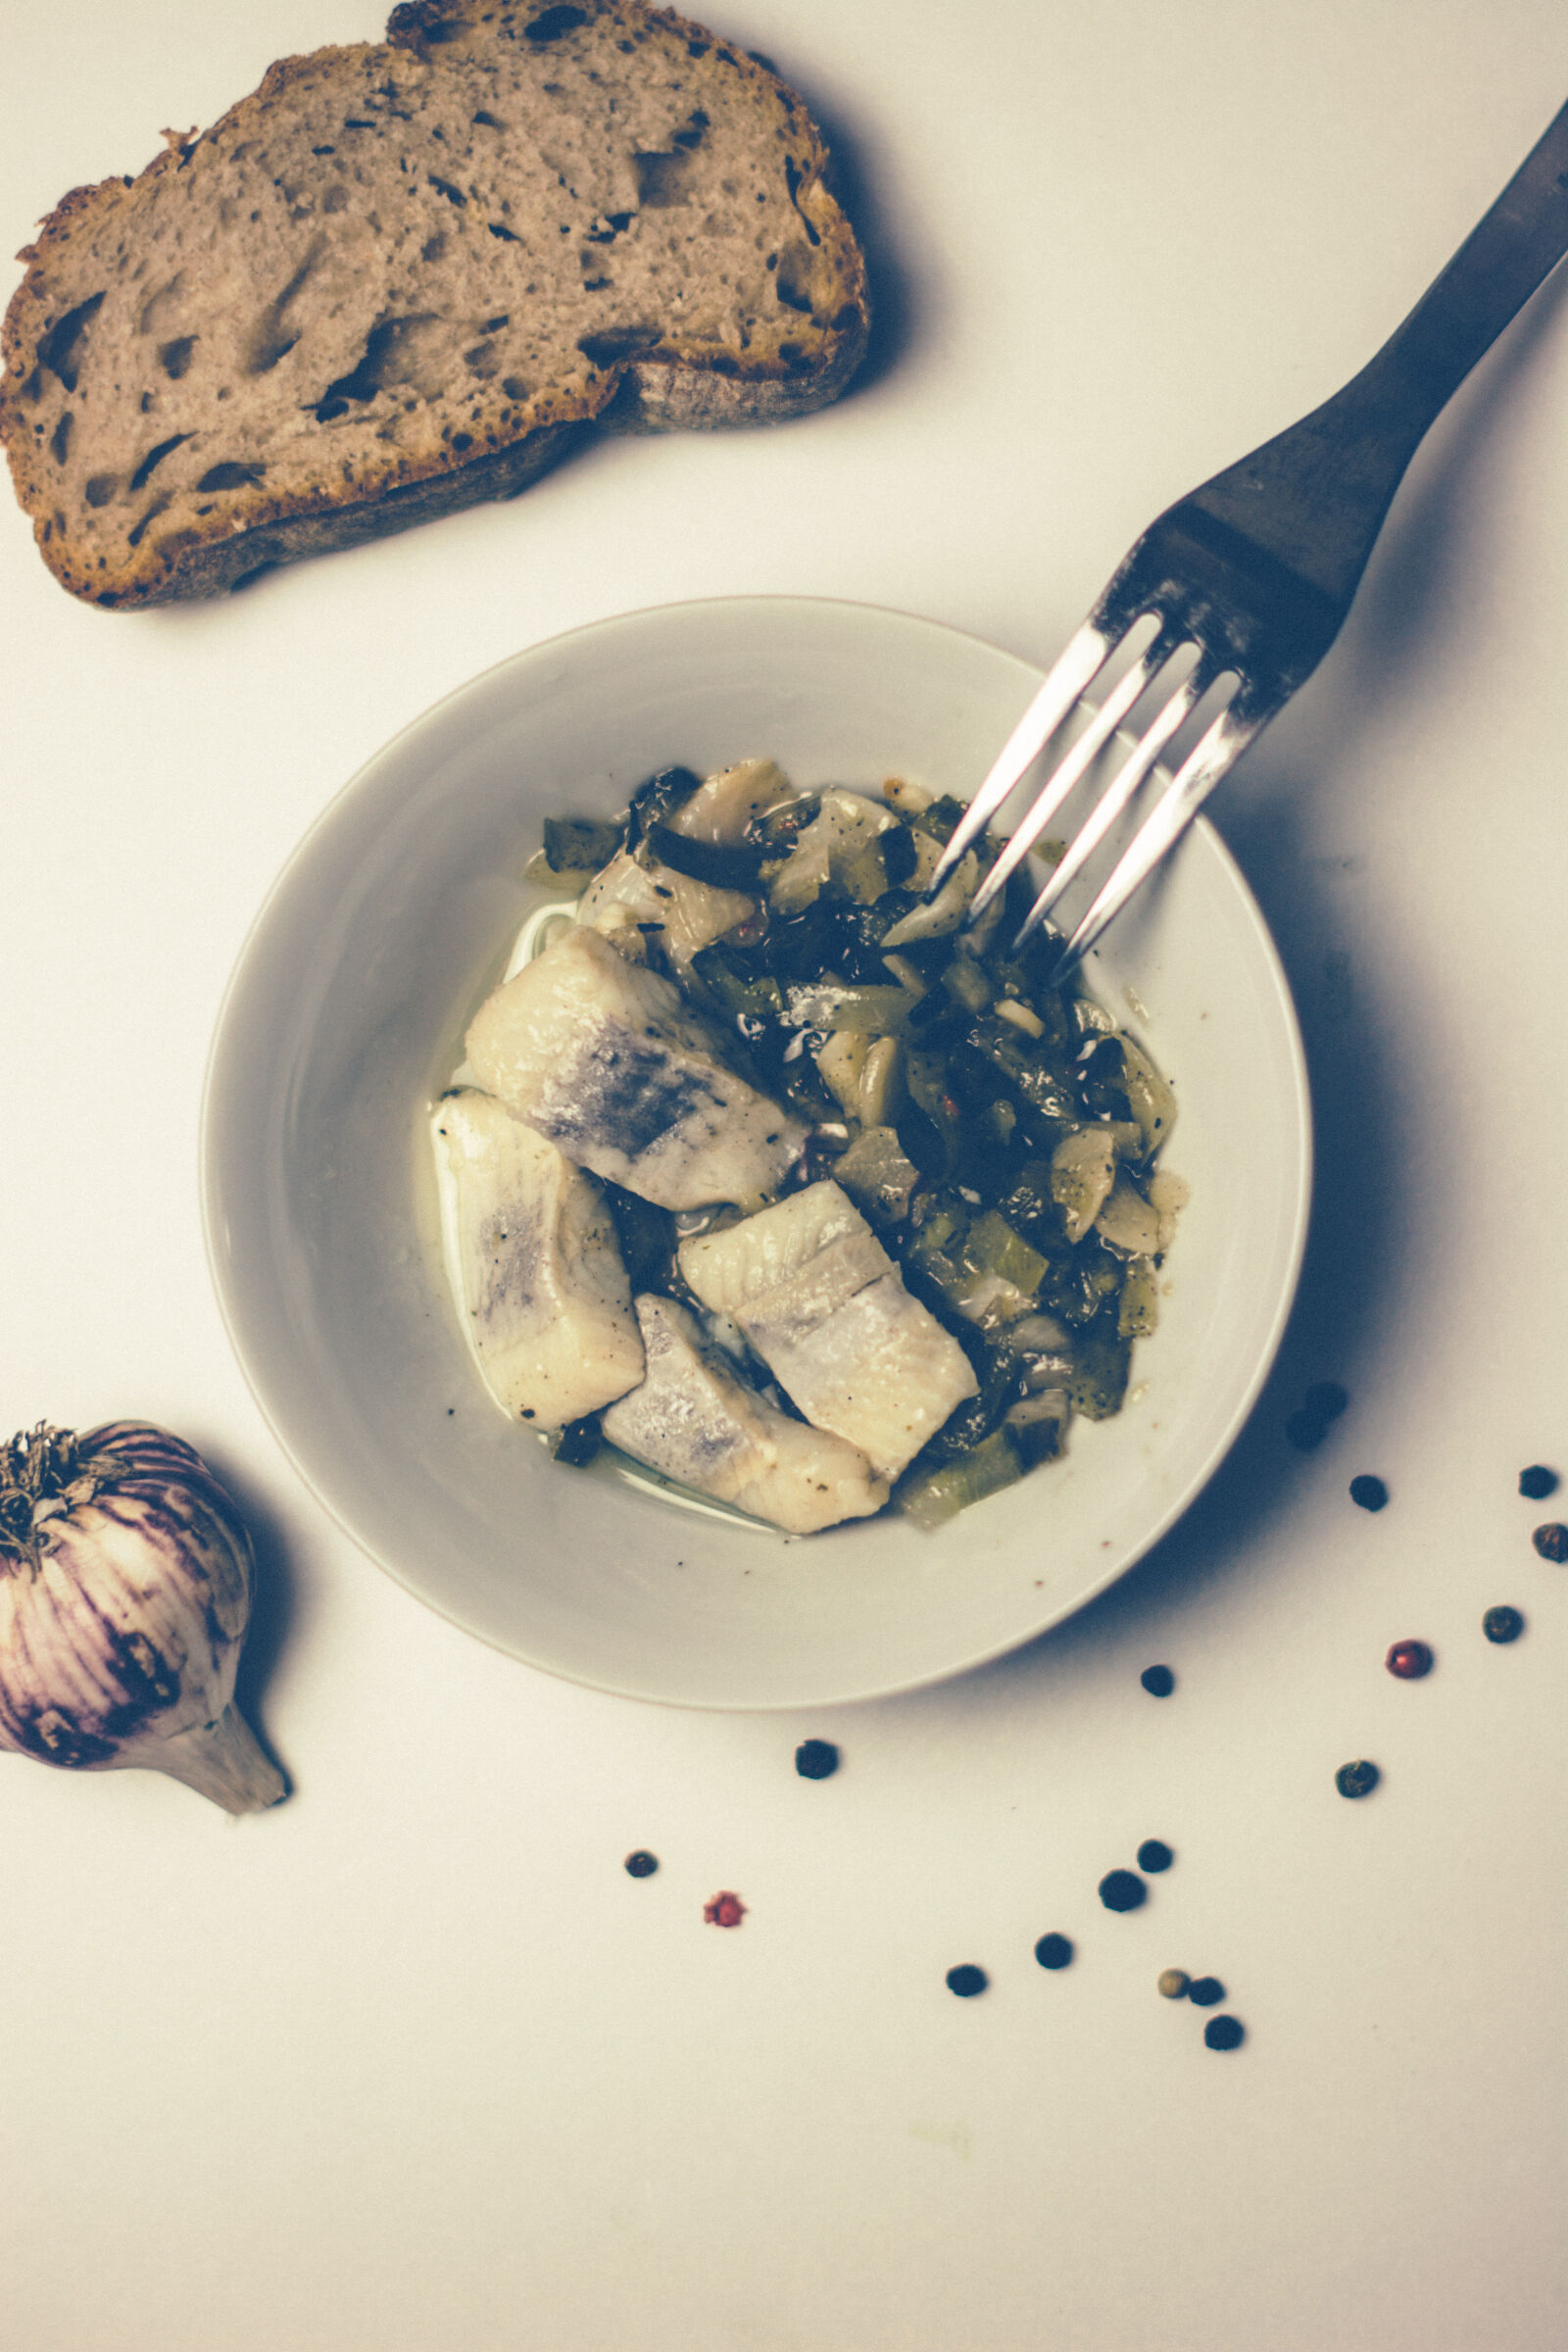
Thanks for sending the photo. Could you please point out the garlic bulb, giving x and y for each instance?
(124, 1593)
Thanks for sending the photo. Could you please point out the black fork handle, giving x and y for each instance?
(1313, 499)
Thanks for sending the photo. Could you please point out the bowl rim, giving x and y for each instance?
(212, 1214)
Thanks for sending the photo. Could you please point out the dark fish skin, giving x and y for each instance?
(629, 1096)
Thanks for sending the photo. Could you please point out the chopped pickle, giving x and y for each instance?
(827, 851)
(879, 1089)
(745, 993)
(1138, 1311)
(579, 844)
(930, 1497)
(989, 1300)
(1038, 1426)
(1101, 1354)
(1083, 1169)
(1152, 1103)
(842, 1004)
(1127, 1222)
(877, 1175)
(992, 1247)
(842, 1057)
(941, 819)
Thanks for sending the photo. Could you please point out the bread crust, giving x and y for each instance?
(663, 388)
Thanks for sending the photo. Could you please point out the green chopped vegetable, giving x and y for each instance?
(1029, 1069)
(992, 1247)
(1139, 1310)
(840, 1005)
(940, 818)
(1152, 1103)
(1083, 1169)
(932, 1496)
(746, 991)
(1101, 1356)
(1038, 1426)
(879, 1086)
(579, 844)
(1127, 1222)
(878, 1176)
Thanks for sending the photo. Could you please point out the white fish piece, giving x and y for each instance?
(603, 1061)
(824, 1306)
(696, 1420)
(690, 914)
(546, 1294)
(724, 804)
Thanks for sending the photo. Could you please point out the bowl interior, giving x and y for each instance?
(345, 1016)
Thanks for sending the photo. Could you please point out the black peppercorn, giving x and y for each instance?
(1325, 1401)
(1053, 1951)
(966, 1981)
(1356, 1780)
(1122, 1891)
(1157, 1681)
(1552, 1540)
(1537, 1482)
(817, 1759)
(1224, 2033)
(1502, 1624)
(1370, 1493)
(1205, 1991)
(641, 1865)
(1153, 1854)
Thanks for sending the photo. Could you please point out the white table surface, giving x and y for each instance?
(411, 2062)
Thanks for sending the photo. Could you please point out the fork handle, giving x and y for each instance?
(1315, 496)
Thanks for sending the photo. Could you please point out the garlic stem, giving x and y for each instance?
(223, 1760)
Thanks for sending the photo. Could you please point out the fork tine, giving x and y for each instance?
(1084, 656)
(1217, 751)
(1119, 791)
(1074, 763)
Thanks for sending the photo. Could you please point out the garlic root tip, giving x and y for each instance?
(224, 1761)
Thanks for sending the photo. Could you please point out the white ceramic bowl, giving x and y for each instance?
(344, 1017)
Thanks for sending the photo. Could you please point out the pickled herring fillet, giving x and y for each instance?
(825, 1307)
(601, 1058)
(696, 1420)
(546, 1294)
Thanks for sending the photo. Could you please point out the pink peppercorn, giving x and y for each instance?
(725, 1911)
(1409, 1660)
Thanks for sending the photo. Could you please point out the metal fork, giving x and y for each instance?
(1254, 570)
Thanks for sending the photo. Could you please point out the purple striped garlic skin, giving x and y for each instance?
(125, 1579)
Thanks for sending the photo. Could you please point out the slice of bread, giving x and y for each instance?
(399, 279)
